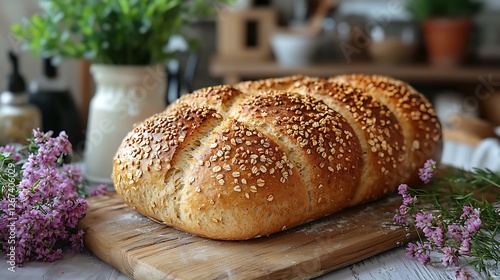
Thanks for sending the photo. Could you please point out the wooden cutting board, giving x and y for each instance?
(144, 249)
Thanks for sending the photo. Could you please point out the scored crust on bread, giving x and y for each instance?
(239, 162)
(414, 113)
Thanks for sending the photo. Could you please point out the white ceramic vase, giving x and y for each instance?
(124, 95)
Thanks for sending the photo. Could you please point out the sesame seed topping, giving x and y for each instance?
(216, 168)
(260, 182)
(255, 170)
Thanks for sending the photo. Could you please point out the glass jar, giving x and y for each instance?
(18, 118)
(394, 43)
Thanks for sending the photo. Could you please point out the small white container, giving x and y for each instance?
(468, 155)
(487, 155)
(293, 49)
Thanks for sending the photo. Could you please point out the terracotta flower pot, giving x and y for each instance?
(446, 40)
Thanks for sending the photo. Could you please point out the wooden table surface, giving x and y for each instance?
(389, 265)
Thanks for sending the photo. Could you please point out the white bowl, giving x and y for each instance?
(293, 49)
(467, 156)
(487, 155)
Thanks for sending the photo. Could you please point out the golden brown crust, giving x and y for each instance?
(374, 124)
(240, 162)
(324, 147)
(414, 113)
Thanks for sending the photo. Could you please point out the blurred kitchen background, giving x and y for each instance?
(259, 38)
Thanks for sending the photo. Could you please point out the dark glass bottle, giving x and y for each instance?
(59, 112)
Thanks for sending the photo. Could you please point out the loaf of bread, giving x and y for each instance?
(243, 161)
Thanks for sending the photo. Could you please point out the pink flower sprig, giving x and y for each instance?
(454, 219)
(427, 172)
(41, 199)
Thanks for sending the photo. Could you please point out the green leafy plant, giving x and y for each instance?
(424, 9)
(120, 32)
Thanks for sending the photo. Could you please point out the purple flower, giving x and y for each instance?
(449, 257)
(77, 241)
(407, 198)
(467, 210)
(12, 150)
(7, 149)
(437, 237)
(473, 224)
(408, 201)
(102, 189)
(462, 274)
(403, 210)
(41, 137)
(400, 219)
(403, 189)
(465, 247)
(427, 172)
(454, 232)
(419, 251)
(472, 219)
(423, 220)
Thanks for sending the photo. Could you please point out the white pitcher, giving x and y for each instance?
(124, 95)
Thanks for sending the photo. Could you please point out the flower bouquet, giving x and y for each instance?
(41, 200)
(457, 217)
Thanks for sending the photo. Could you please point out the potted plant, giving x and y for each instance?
(125, 41)
(446, 25)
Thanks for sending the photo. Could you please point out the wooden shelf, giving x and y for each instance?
(233, 71)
